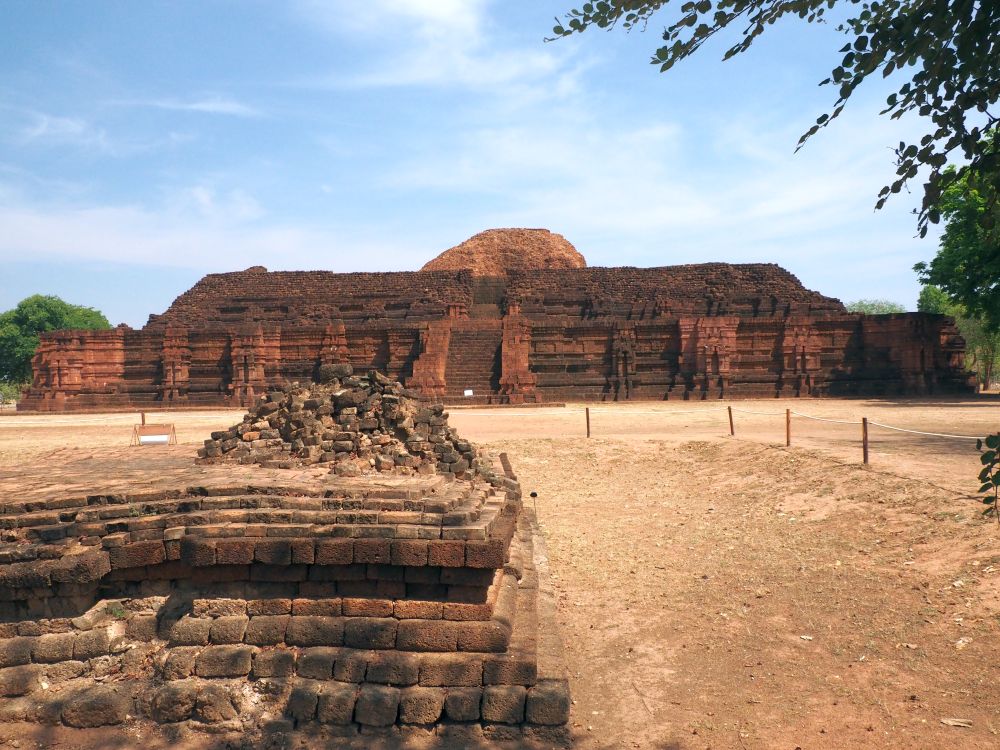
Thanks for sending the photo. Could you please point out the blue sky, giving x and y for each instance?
(143, 145)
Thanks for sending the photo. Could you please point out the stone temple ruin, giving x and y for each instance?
(397, 588)
(510, 316)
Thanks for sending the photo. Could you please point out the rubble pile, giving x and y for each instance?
(357, 424)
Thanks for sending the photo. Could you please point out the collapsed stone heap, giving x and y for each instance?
(357, 424)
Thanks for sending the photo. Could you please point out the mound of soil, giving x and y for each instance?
(496, 251)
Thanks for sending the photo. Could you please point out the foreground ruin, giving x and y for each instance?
(407, 599)
(541, 328)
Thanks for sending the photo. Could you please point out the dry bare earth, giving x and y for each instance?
(714, 593)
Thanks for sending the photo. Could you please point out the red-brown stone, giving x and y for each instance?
(536, 329)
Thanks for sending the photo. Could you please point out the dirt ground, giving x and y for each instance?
(714, 592)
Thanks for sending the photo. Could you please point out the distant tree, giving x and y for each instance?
(982, 347)
(967, 264)
(933, 299)
(875, 307)
(19, 329)
(946, 52)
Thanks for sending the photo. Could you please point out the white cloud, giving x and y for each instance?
(433, 43)
(48, 129)
(214, 105)
(233, 206)
(198, 228)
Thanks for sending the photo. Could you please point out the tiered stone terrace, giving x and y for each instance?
(351, 608)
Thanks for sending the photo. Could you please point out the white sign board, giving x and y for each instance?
(468, 391)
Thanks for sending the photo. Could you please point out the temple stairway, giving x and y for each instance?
(473, 363)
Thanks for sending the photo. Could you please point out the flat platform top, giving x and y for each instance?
(80, 471)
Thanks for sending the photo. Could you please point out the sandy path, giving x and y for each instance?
(690, 572)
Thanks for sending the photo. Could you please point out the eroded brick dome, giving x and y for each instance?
(497, 251)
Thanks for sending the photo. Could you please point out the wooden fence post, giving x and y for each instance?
(142, 416)
(587, 409)
(788, 427)
(732, 428)
(864, 438)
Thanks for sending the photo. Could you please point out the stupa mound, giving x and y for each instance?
(497, 251)
(358, 425)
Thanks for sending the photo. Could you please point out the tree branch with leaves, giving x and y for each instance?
(948, 51)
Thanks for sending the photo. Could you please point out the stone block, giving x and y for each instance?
(405, 609)
(461, 612)
(303, 551)
(218, 607)
(501, 734)
(446, 553)
(215, 704)
(197, 552)
(409, 552)
(19, 680)
(315, 631)
(548, 703)
(64, 670)
(460, 670)
(273, 552)
(354, 607)
(462, 703)
(141, 627)
(99, 706)
(54, 647)
(392, 668)
(266, 630)
(279, 662)
(372, 551)
(427, 635)
(326, 607)
(336, 703)
(377, 705)
(16, 651)
(350, 667)
(276, 606)
(420, 705)
(91, 644)
(137, 555)
(234, 551)
(503, 704)
(229, 629)
(370, 632)
(302, 701)
(224, 661)
(489, 637)
(190, 631)
(317, 663)
(509, 669)
(179, 663)
(174, 701)
(334, 552)
(484, 554)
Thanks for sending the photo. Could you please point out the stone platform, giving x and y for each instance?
(347, 610)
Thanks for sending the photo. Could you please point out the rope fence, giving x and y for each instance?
(864, 423)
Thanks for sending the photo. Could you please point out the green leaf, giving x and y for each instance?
(986, 487)
(988, 457)
(993, 441)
